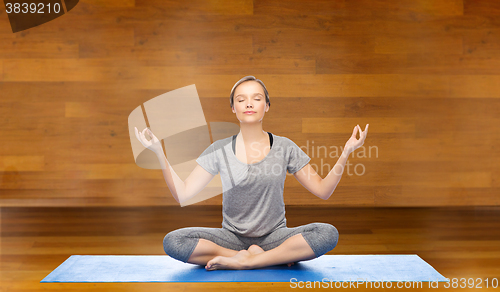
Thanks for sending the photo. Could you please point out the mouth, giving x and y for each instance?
(249, 112)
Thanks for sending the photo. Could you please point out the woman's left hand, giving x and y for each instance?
(353, 143)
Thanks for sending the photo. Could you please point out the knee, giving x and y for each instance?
(169, 241)
(175, 244)
(330, 233)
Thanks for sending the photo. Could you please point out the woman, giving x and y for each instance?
(253, 167)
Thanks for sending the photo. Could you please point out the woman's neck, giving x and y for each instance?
(253, 133)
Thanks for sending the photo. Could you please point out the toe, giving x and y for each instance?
(210, 264)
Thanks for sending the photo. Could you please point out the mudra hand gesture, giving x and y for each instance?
(353, 143)
(153, 144)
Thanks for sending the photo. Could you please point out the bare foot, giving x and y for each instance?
(240, 261)
(255, 249)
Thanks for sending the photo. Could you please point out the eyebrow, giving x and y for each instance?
(255, 94)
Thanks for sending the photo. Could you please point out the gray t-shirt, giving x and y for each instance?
(252, 200)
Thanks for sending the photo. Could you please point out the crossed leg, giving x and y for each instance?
(224, 250)
(255, 249)
(206, 250)
(293, 249)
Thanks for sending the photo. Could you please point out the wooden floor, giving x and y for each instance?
(459, 242)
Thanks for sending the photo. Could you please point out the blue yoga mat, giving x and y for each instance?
(329, 268)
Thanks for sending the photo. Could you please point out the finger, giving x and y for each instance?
(151, 134)
(144, 137)
(362, 133)
(147, 133)
(354, 132)
(365, 132)
(137, 133)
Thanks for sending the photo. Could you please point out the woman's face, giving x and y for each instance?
(249, 96)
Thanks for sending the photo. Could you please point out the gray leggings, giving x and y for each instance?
(180, 244)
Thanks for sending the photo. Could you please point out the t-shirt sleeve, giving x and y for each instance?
(297, 158)
(208, 160)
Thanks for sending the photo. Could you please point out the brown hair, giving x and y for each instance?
(248, 78)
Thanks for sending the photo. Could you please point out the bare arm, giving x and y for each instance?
(330, 182)
(181, 191)
(322, 188)
(184, 190)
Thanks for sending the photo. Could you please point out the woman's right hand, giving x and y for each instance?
(153, 144)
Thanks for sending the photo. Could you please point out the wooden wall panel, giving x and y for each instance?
(424, 75)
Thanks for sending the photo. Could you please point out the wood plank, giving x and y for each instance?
(415, 63)
(379, 8)
(78, 109)
(22, 163)
(61, 70)
(196, 42)
(346, 85)
(418, 45)
(426, 195)
(484, 88)
(481, 8)
(482, 43)
(108, 3)
(203, 7)
(372, 85)
(385, 125)
(20, 49)
(82, 31)
(232, 64)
